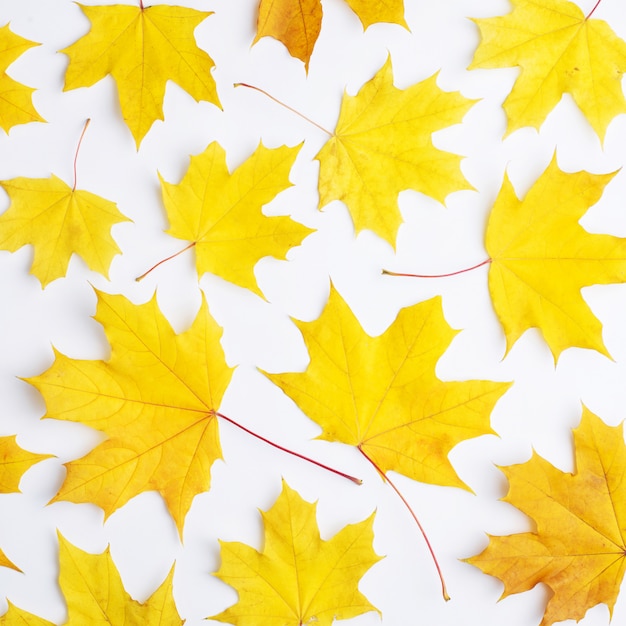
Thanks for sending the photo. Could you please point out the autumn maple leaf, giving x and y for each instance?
(579, 547)
(220, 212)
(142, 48)
(95, 595)
(16, 106)
(560, 50)
(155, 399)
(381, 394)
(297, 578)
(541, 257)
(382, 145)
(297, 24)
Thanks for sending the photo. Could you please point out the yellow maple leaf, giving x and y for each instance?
(58, 221)
(382, 145)
(154, 399)
(297, 578)
(560, 51)
(18, 617)
(542, 257)
(220, 213)
(579, 547)
(14, 461)
(381, 394)
(297, 24)
(16, 106)
(142, 48)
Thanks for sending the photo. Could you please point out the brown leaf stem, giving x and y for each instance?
(467, 269)
(80, 140)
(286, 106)
(357, 481)
(169, 258)
(386, 478)
(595, 6)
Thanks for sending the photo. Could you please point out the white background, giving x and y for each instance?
(538, 412)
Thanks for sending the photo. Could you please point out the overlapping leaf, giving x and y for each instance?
(95, 595)
(298, 578)
(16, 106)
(382, 145)
(382, 395)
(59, 221)
(220, 212)
(559, 51)
(142, 48)
(297, 24)
(154, 399)
(579, 547)
(542, 257)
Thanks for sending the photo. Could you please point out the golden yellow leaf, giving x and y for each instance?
(382, 145)
(154, 399)
(221, 212)
(559, 51)
(18, 617)
(297, 578)
(579, 547)
(58, 221)
(381, 394)
(297, 23)
(16, 106)
(142, 48)
(542, 257)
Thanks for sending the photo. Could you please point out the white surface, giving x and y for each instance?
(538, 412)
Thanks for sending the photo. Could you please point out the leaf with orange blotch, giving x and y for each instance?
(559, 50)
(142, 48)
(382, 145)
(16, 106)
(298, 578)
(297, 23)
(579, 547)
(58, 221)
(542, 257)
(155, 399)
(220, 212)
(381, 394)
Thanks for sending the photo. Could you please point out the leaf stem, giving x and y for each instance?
(141, 4)
(592, 10)
(80, 140)
(357, 481)
(169, 258)
(286, 106)
(386, 478)
(467, 269)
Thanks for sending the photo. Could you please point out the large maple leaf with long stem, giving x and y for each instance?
(142, 48)
(560, 50)
(579, 546)
(220, 213)
(297, 578)
(541, 257)
(95, 595)
(16, 106)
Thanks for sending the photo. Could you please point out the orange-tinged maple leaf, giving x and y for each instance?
(221, 213)
(381, 394)
(297, 578)
(542, 257)
(58, 221)
(142, 48)
(579, 547)
(297, 23)
(16, 106)
(560, 51)
(154, 399)
(382, 145)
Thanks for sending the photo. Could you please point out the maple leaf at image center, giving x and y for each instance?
(155, 399)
